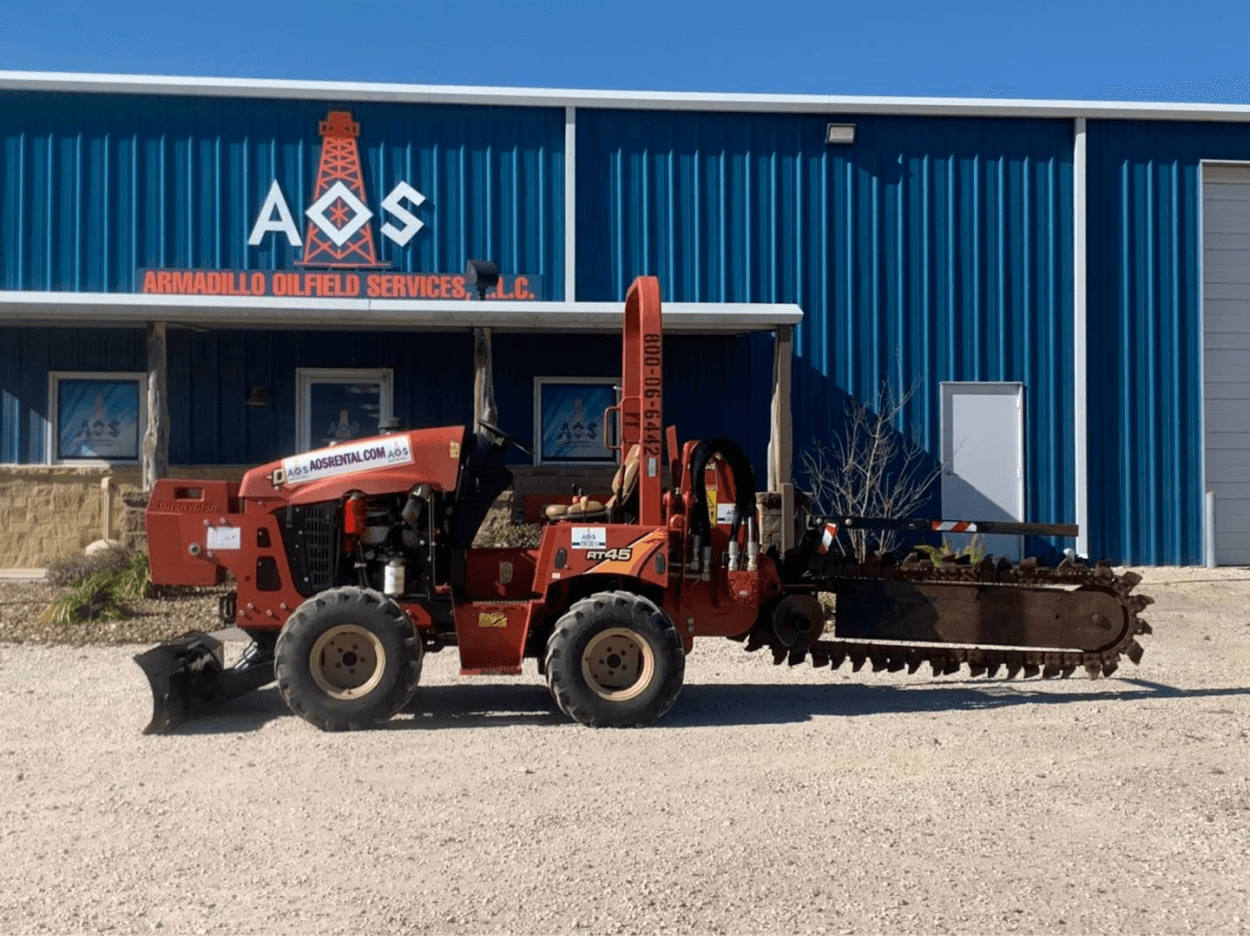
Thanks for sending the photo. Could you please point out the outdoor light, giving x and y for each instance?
(839, 134)
(481, 275)
(258, 397)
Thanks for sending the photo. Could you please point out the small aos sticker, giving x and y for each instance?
(223, 537)
(724, 513)
(346, 459)
(589, 537)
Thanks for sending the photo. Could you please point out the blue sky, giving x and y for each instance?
(1115, 50)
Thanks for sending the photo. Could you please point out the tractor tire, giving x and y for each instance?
(614, 660)
(347, 659)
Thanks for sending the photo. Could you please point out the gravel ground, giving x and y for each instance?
(769, 800)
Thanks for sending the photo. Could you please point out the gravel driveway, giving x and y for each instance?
(769, 800)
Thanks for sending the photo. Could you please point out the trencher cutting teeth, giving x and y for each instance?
(987, 660)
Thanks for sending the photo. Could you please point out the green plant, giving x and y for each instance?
(135, 581)
(95, 599)
(974, 549)
(98, 585)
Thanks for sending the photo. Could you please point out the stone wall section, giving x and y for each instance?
(50, 511)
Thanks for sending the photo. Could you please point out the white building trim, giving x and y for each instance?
(71, 308)
(360, 91)
(1080, 383)
(570, 204)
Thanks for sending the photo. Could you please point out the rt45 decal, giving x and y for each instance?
(623, 554)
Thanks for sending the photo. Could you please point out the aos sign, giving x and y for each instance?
(338, 251)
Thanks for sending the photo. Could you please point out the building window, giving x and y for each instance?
(569, 417)
(96, 417)
(335, 405)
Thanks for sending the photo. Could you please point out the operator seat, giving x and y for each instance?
(624, 486)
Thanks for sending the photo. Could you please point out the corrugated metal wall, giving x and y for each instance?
(929, 250)
(94, 187)
(211, 373)
(26, 357)
(1145, 335)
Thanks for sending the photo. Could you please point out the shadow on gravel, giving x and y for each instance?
(753, 704)
(702, 705)
(246, 713)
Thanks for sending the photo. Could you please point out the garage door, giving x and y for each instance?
(1226, 355)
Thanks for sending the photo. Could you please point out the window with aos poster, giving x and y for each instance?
(334, 405)
(568, 423)
(96, 416)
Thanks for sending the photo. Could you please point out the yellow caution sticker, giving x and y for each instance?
(711, 505)
(492, 619)
(455, 449)
(505, 573)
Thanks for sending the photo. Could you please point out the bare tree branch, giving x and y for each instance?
(870, 469)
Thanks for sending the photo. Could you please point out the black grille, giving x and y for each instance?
(310, 535)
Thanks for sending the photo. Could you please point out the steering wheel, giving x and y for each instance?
(510, 440)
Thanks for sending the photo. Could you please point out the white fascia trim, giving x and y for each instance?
(61, 308)
(1080, 372)
(360, 91)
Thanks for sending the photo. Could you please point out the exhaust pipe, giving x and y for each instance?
(189, 678)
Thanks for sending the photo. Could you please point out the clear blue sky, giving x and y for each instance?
(1195, 50)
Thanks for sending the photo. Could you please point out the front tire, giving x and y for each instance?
(615, 660)
(347, 659)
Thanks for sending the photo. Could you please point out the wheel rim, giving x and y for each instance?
(617, 664)
(347, 662)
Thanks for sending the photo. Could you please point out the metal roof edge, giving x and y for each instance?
(65, 308)
(359, 91)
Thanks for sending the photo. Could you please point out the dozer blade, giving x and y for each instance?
(189, 679)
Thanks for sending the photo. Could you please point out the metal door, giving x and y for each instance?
(983, 459)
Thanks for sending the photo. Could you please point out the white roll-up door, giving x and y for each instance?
(1226, 355)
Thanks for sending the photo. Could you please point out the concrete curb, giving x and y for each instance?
(23, 575)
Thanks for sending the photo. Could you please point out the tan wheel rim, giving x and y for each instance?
(347, 662)
(617, 664)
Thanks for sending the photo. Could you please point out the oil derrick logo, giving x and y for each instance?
(338, 233)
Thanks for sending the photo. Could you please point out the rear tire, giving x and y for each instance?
(347, 659)
(615, 660)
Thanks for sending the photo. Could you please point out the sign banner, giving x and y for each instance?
(336, 284)
(345, 459)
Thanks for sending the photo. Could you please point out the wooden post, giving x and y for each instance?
(156, 437)
(483, 380)
(106, 507)
(780, 445)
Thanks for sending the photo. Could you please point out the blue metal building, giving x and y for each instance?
(1057, 248)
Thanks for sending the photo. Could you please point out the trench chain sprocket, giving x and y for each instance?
(988, 575)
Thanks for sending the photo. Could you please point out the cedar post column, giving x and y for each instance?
(156, 436)
(483, 380)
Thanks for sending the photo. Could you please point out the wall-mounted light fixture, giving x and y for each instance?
(258, 397)
(837, 134)
(481, 275)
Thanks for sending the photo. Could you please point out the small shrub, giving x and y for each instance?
(76, 569)
(135, 581)
(95, 599)
(98, 585)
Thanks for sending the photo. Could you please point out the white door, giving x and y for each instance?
(983, 459)
(1226, 355)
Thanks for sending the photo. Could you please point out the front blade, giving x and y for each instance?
(179, 672)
